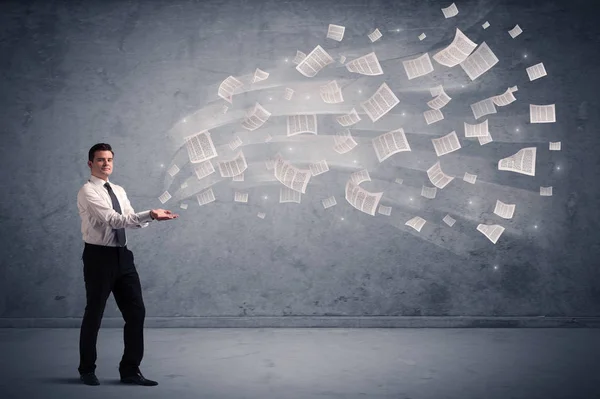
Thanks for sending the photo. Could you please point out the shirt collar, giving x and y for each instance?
(98, 181)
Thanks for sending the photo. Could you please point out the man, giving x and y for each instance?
(108, 266)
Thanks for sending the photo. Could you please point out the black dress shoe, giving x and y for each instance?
(89, 379)
(138, 379)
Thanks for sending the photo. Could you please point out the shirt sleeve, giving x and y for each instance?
(128, 210)
(95, 205)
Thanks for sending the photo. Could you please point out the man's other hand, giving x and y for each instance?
(163, 214)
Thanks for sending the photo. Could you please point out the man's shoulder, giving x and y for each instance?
(88, 185)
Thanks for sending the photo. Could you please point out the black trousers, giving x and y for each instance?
(106, 270)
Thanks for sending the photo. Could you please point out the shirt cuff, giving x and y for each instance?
(145, 217)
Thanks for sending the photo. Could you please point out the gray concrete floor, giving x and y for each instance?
(312, 363)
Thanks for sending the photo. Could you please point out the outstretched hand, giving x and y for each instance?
(163, 214)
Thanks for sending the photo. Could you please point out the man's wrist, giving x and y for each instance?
(151, 217)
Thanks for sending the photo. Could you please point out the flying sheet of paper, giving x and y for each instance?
(256, 118)
(314, 62)
(516, 31)
(173, 170)
(259, 75)
(491, 231)
(546, 191)
(417, 67)
(478, 130)
(329, 202)
(318, 168)
(239, 177)
(286, 194)
(536, 71)
(233, 167)
(522, 162)
(206, 197)
(331, 93)
(300, 56)
(483, 108)
(469, 178)
(297, 124)
(228, 87)
(365, 65)
(384, 210)
(449, 220)
(348, 119)
(360, 176)
(436, 91)
(235, 143)
(485, 25)
(288, 94)
(335, 32)
(290, 176)
(428, 192)
(416, 223)
(375, 35)
(542, 113)
(380, 103)
(437, 177)
(458, 51)
(446, 144)
(200, 147)
(240, 197)
(503, 100)
(503, 210)
(204, 169)
(432, 116)
(479, 62)
(390, 143)
(554, 146)
(344, 142)
(362, 199)
(440, 101)
(485, 140)
(422, 36)
(450, 11)
(164, 197)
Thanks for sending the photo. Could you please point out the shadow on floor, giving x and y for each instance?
(76, 381)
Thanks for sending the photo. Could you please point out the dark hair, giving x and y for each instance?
(99, 147)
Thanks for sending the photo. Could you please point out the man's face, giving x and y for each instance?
(102, 165)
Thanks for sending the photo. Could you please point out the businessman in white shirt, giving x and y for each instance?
(108, 266)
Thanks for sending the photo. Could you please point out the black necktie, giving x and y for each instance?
(116, 207)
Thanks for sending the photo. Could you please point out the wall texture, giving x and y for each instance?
(144, 75)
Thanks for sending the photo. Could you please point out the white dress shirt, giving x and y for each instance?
(98, 218)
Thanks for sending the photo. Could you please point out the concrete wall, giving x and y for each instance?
(142, 75)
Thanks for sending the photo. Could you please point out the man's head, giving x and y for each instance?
(100, 160)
